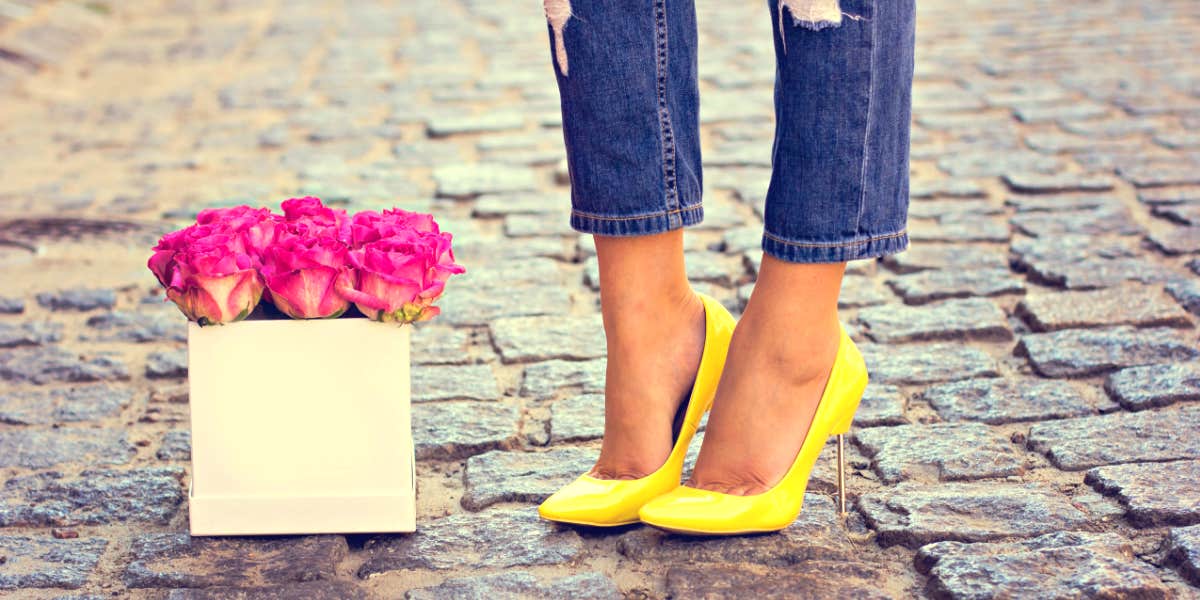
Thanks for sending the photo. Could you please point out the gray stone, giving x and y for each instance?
(542, 380)
(42, 365)
(438, 345)
(1077, 444)
(124, 326)
(926, 363)
(956, 319)
(176, 445)
(948, 257)
(1071, 248)
(965, 229)
(94, 497)
(938, 452)
(916, 514)
(454, 382)
(515, 585)
(858, 291)
(1184, 214)
(1183, 549)
(1159, 174)
(545, 225)
(946, 188)
(169, 364)
(576, 418)
(816, 534)
(998, 401)
(499, 538)
(177, 560)
(41, 562)
(1153, 494)
(1088, 565)
(529, 339)
(993, 164)
(64, 405)
(819, 580)
(313, 590)
(1065, 202)
(499, 205)
(500, 476)
(1152, 386)
(1160, 196)
(485, 304)
(1123, 305)
(32, 333)
(956, 209)
(1043, 183)
(11, 305)
(33, 449)
(713, 267)
(444, 125)
(927, 286)
(1099, 221)
(1175, 240)
(78, 299)
(1099, 272)
(448, 430)
(881, 404)
(1081, 352)
(468, 180)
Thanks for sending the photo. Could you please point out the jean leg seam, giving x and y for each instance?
(666, 132)
(862, 181)
(665, 213)
(834, 244)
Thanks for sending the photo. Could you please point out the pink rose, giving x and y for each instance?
(369, 226)
(254, 228)
(399, 277)
(304, 273)
(320, 219)
(207, 275)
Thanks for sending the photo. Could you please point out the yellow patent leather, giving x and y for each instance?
(703, 512)
(612, 502)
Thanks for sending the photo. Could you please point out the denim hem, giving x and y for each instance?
(637, 225)
(802, 252)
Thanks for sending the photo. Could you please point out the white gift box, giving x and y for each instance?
(300, 426)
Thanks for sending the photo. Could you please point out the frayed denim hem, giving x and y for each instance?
(637, 225)
(802, 252)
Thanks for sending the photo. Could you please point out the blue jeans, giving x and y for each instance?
(626, 72)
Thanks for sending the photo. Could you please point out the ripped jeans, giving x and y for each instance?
(626, 72)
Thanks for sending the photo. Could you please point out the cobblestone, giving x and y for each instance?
(147, 495)
(460, 429)
(64, 405)
(938, 452)
(1152, 493)
(577, 418)
(43, 563)
(1076, 444)
(999, 401)
(177, 560)
(521, 584)
(1094, 564)
(1080, 352)
(500, 476)
(1143, 306)
(499, 538)
(454, 382)
(36, 449)
(1183, 548)
(54, 364)
(1153, 386)
(959, 319)
(916, 514)
(930, 363)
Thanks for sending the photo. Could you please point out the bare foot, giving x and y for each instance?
(779, 360)
(653, 354)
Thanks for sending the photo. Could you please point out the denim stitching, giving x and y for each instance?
(835, 244)
(667, 137)
(656, 215)
(862, 182)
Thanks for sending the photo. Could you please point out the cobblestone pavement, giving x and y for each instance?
(1034, 354)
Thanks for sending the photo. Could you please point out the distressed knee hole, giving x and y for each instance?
(813, 14)
(558, 12)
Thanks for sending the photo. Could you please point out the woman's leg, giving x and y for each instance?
(626, 71)
(839, 192)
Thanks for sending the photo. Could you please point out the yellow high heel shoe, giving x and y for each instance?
(703, 512)
(612, 502)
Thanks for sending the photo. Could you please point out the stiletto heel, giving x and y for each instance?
(841, 458)
(704, 512)
(612, 502)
